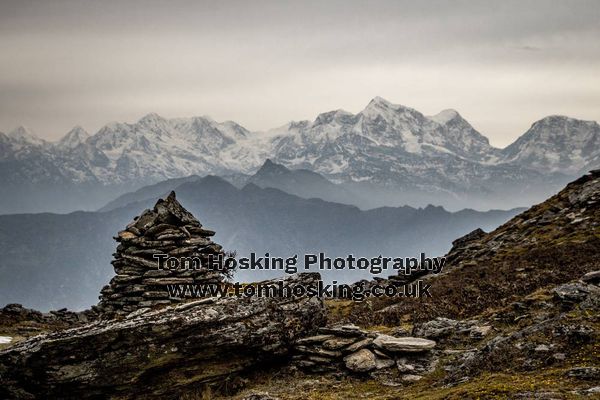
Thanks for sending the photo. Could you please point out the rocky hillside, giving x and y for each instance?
(544, 345)
(515, 314)
(551, 243)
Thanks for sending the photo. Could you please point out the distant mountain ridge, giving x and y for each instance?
(53, 260)
(386, 147)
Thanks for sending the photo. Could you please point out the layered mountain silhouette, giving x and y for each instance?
(393, 154)
(301, 182)
(52, 261)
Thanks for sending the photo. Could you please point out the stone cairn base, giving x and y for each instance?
(139, 282)
(349, 349)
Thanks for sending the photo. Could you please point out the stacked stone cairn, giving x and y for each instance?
(139, 283)
(349, 349)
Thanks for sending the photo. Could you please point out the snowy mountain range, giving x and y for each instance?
(395, 152)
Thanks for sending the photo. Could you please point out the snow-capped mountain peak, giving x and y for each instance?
(154, 122)
(151, 117)
(73, 138)
(380, 107)
(445, 116)
(383, 144)
(337, 116)
(557, 143)
(25, 136)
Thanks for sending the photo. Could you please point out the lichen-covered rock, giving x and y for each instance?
(159, 353)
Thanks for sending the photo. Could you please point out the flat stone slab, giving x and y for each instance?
(359, 345)
(403, 344)
(338, 343)
(315, 339)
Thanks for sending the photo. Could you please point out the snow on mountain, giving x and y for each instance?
(444, 116)
(22, 136)
(557, 143)
(158, 148)
(462, 139)
(74, 138)
(385, 144)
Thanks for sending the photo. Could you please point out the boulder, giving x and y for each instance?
(361, 361)
(468, 238)
(571, 293)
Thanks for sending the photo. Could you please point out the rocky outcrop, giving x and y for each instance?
(552, 327)
(349, 349)
(140, 280)
(574, 211)
(442, 329)
(19, 322)
(158, 353)
(469, 237)
(15, 313)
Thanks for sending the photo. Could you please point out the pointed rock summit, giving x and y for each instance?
(24, 136)
(270, 168)
(74, 138)
(142, 277)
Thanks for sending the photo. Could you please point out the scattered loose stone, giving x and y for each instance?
(480, 332)
(559, 356)
(260, 396)
(402, 367)
(315, 339)
(344, 331)
(411, 378)
(585, 373)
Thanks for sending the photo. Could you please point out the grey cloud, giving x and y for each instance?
(261, 63)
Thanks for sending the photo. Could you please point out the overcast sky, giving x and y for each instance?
(501, 64)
